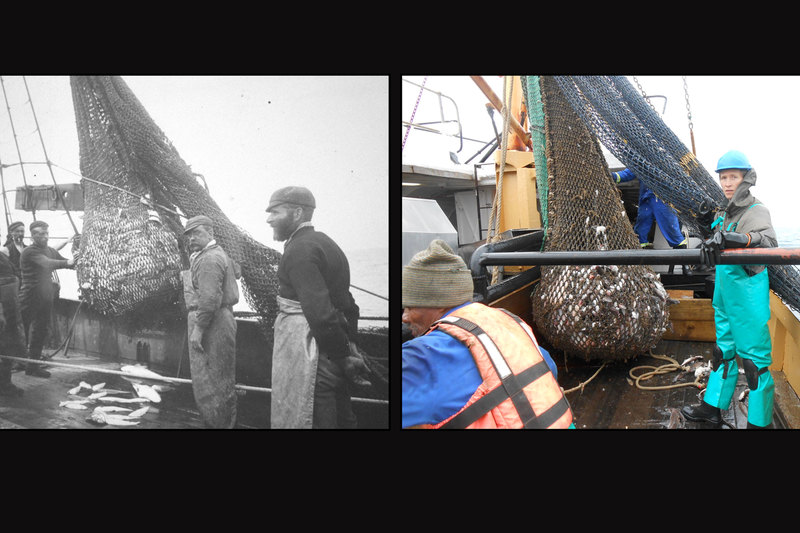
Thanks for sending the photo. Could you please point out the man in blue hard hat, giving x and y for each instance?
(741, 300)
(651, 209)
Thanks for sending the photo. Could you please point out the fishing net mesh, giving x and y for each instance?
(595, 312)
(131, 251)
(626, 124)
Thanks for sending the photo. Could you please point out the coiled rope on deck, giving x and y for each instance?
(671, 366)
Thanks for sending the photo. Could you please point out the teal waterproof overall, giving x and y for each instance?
(741, 313)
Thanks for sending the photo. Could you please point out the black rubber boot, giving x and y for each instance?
(702, 413)
(9, 389)
(753, 426)
(36, 370)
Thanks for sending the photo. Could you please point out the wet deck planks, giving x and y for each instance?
(612, 401)
(38, 407)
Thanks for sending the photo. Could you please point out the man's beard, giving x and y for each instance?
(281, 232)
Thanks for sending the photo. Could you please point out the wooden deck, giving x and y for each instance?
(612, 400)
(38, 407)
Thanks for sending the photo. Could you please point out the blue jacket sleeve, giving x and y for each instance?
(623, 176)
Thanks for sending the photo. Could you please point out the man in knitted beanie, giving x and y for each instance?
(448, 365)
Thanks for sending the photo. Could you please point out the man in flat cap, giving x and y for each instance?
(312, 359)
(37, 263)
(210, 292)
(14, 245)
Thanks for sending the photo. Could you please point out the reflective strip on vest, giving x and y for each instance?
(491, 348)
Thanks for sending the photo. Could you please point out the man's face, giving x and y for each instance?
(197, 238)
(39, 236)
(419, 319)
(283, 219)
(729, 180)
(17, 234)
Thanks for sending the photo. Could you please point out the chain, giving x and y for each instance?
(414, 112)
(688, 109)
(689, 115)
(644, 94)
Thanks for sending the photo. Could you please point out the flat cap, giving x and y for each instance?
(15, 225)
(199, 220)
(38, 224)
(292, 195)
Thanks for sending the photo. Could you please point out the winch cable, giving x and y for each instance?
(47, 159)
(141, 198)
(68, 337)
(16, 142)
(246, 388)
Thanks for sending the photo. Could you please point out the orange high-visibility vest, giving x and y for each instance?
(518, 389)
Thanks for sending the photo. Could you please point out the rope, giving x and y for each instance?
(582, 385)
(49, 165)
(671, 366)
(159, 378)
(494, 216)
(16, 143)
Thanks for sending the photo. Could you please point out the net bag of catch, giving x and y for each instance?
(137, 189)
(126, 263)
(604, 312)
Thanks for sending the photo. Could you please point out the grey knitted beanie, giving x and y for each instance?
(436, 277)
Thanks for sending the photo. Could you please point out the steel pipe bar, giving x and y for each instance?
(740, 256)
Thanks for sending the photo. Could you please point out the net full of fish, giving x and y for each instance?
(612, 312)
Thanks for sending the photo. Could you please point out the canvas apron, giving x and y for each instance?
(12, 340)
(214, 369)
(295, 356)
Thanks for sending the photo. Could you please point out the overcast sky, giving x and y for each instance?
(755, 114)
(248, 135)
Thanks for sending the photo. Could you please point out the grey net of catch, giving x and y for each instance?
(131, 253)
(635, 134)
(592, 311)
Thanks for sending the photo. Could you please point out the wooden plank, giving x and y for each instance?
(692, 318)
(518, 302)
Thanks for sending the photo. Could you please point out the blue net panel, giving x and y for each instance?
(630, 129)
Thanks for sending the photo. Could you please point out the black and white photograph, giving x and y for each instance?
(194, 252)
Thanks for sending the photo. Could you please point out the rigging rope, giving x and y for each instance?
(49, 165)
(494, 216)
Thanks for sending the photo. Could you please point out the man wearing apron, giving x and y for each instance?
(210, 291)
(311, 358)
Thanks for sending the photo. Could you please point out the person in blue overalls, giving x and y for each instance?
(651, 209)
(741, 301)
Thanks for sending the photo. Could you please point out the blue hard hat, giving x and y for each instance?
(733, 159)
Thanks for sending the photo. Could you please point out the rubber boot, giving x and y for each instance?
(9, 389)
(702, 413)
(6, 387)
(37, 370)
(753, 426)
